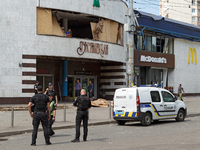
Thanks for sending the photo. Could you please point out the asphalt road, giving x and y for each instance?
(163, 135)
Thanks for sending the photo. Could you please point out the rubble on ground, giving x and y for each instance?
(100, 103)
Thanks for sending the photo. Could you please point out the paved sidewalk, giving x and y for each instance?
(97, 116)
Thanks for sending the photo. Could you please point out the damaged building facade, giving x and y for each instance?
(35, 46)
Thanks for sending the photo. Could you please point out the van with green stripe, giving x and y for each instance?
(146, 104)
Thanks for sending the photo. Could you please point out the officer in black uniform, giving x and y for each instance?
(41, 102)
(83, 104)
(36, 86)
(53, 93)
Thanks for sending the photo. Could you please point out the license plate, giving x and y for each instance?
(119, 112)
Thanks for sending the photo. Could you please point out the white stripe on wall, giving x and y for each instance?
(27, 86)
(110, 93)
(113, 87)
(28, 77)
(27, 69)
(115, 80)
(33, 61)
(113, 74)
(27, 94)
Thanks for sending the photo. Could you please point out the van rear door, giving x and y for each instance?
(125, 103)
(131, 105)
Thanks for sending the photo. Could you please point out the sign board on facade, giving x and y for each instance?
(154, 59)
(161, 60)
(193, 55)
(87, 47)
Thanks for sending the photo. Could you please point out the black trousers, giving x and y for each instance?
(77, 93)
(51, 132)
(82, 115)
(40, 116)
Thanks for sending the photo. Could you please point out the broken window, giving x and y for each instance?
(57, 22)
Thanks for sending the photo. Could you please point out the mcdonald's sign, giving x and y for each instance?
(193, 53)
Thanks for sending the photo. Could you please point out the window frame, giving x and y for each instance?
(152, 98)
(162, 93)
(192, 18)
(193, 2)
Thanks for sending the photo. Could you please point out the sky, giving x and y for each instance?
(150, 6)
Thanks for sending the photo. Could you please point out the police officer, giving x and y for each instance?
(36, 86)
(83, 104)
(52, 114)
(41, 103)
(53, 92)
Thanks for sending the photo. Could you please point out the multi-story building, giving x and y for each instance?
(34, 46)
(182, 10)
(168, 53)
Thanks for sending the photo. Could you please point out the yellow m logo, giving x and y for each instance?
(193, 54)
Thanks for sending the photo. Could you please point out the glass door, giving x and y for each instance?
(84, 80)
(71, 87)
(94, 85)
(44, 80)
(75, 83)
(84, 83)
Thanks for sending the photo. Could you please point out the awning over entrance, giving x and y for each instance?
(168, 26)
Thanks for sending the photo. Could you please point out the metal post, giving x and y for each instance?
(131, 22)
(110, 109)
(12, 117)
(64, 111)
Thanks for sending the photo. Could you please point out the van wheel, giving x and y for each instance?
(180, 116)
(146, 120)
(119, 122)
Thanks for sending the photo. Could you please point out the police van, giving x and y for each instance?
(146, 104)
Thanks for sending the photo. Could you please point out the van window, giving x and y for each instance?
(167, 97)
(155, 96)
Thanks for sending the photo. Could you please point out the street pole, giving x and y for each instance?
(131, 22)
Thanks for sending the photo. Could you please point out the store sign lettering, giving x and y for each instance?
(150, 59)
(86, 47)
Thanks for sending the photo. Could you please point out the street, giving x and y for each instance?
(164, 135)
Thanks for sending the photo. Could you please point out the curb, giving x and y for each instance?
(21, 108)
(4, 134)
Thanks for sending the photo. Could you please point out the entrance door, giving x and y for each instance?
(71, 87)
(45, 80)
(85, 83)
(84, 80)
(92, 79)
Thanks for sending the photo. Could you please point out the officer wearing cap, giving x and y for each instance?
(36, 86)
(41, 102)
(83, 104)
(52, 114)
(53, 93)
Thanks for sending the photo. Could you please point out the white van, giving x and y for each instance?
(146, 104)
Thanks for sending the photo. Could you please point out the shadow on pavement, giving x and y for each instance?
(61, 135)
(138, 124)
(101, 140)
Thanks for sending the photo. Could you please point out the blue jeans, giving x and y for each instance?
(90, 94)
(77, 93)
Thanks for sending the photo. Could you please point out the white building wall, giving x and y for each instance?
(180, 10)
(18, 37)
(186, 74)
